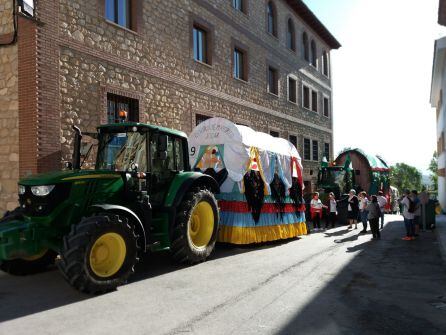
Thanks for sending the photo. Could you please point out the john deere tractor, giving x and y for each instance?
(142, 196)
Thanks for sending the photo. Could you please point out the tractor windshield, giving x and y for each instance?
(331, 176)
(118, 151)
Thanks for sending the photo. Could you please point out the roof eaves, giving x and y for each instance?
(311, 19)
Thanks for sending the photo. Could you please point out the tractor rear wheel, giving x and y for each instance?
(99, 254)
(196, 227)
(29, 265)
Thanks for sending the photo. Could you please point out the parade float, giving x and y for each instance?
(260, 179)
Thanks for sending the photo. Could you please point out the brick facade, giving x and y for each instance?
(81, 57)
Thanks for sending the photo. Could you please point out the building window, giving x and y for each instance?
(271, 19)
(305, 47)
(326, 107)
(201, 118)
(306, 97)
(122, 109)
(200, 41)
(293, 140)
(292, 90)
(291, 36)
(313, 54)
(307, 149)
(309, 99)
(239, 66)
(325, 69)
(274, 133)
(314, 101)
(273, 81)
(315, 150)
(119, 12)
(239, 5)
(327, 151)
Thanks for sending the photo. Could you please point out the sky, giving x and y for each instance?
(381, 76)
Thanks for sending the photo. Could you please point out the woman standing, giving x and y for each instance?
(374, 213)
(363, 202)
(353, 209)
(316, 211)
(333, 210)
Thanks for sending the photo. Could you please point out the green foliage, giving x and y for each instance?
(433, 168)
(404, 176)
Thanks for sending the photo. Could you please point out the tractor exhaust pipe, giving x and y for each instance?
(77, 148)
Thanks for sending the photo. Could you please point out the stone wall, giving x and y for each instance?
(6, 18)
(155, 65)
(9, 133)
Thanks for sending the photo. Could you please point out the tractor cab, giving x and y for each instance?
(146, 157)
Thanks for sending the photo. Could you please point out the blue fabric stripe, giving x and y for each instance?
(266, 219)
(241, 197)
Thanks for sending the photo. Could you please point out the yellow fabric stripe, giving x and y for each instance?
(241, 235)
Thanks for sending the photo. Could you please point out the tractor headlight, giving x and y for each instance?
(42, 191)
(22, 189)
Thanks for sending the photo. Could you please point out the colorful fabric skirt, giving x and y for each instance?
(238, 227)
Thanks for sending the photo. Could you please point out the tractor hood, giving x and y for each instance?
(56, 177)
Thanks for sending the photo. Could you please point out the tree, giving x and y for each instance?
(433, 168)
(404, 177)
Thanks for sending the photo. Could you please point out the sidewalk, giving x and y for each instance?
(440, 231)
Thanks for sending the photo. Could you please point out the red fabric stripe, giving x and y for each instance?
(242, 207)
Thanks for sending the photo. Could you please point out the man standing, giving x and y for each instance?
(382, 201)
(408, 216)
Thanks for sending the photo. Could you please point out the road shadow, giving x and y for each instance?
(350, 238)
(337, 233)
(26, 295)
(390, 286)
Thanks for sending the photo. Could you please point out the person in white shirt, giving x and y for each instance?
(363, 213)
(316, 211)
(382, 201)
(408, 216)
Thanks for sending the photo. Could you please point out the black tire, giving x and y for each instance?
(74, 260)
(23, 267)
(183, 248)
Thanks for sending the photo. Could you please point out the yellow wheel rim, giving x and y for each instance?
(35, 257)
(107, 255)
(201, 224)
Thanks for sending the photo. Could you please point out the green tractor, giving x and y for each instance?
(142, 196)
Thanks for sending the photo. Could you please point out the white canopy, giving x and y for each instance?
(237, 141)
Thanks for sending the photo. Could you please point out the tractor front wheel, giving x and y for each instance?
(196, 227)
(29, 265)
(99, 254)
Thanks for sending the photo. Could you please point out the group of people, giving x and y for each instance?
(359, 208)
(412, 214)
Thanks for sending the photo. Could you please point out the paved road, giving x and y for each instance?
(336, 282)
